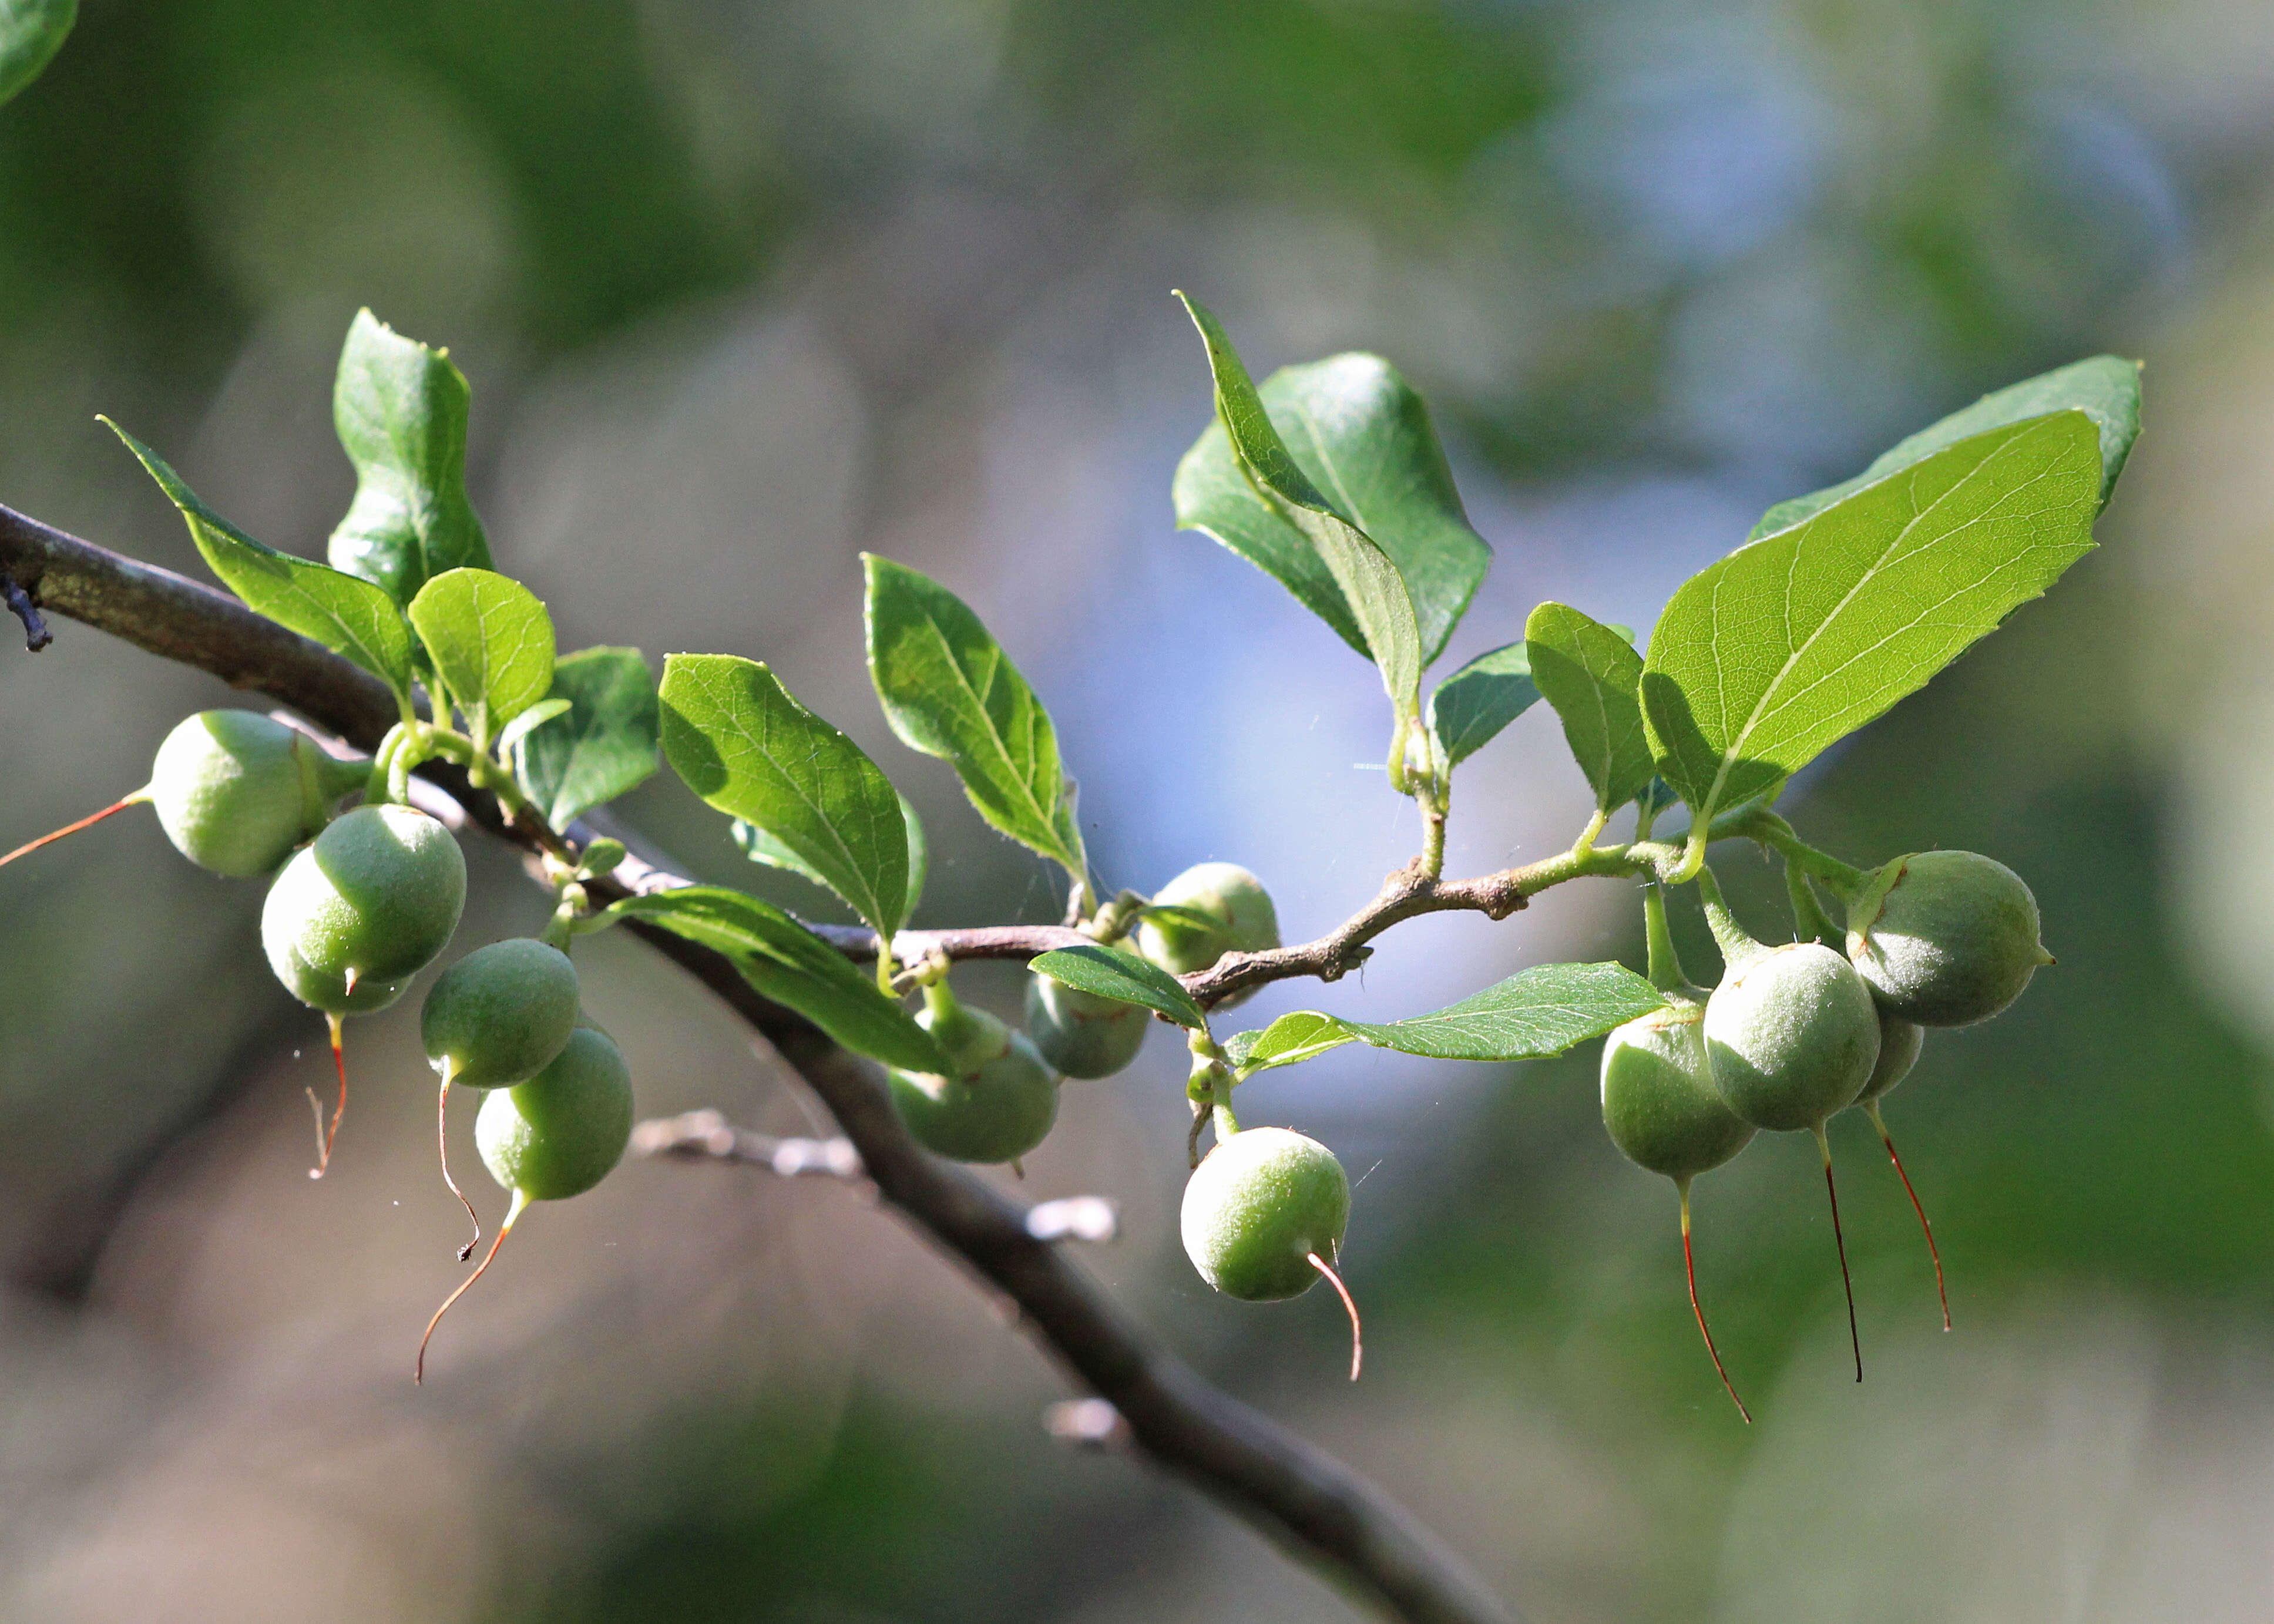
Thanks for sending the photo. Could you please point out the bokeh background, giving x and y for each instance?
(745, 288)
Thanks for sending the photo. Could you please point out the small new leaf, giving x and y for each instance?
(491, 641)
(950, 691)
(1592, 676)
(1795, 640)
(31, 32)
(1470, 707)
(400, 409)
(750, 751)
(1363, 436)
(1532, 1015)
(1370, 583)
(347, 615)
(2105, 388)
(543, 712)
(603, 746)
(792, 966)
(1112, 973)
(1304, 1034)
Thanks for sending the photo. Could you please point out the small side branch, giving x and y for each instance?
(36, 635)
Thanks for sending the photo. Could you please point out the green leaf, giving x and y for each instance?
(1375, 594)
(602, 746)
(400, 409)
(31, 32)
(1294, 1038)
(1362, 436)
(1534, 1013)
(792, 966)
(750, 751)
(491, 641)
(760, 847)
(2105, 388)
(950, 691)
(1592, 676)
(347, 615)
(543, 712)
(1114, 973)
(1479, 699)
(1763, 658)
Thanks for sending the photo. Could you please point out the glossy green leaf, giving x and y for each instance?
(1534, 1013)
(348, 615)
(749, 749)
(602, 746)
(1375, 594)
(491, 641)
(1793, 641)
(31, 32)
(793, 966)
(1363, 438)
(950, 691)
(1304, 1034)
(400, 409)
(760, 847)
(1592, 676)
(1470, 707)
(1116, 972)
(543, 712)
(2105, 388)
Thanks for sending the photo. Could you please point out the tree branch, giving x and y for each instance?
(1305, 1499)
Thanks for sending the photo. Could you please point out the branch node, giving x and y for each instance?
(36, 635)
(1086, 1424)
(1075, 1218)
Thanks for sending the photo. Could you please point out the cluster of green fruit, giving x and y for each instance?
(1799, 1032)
(1263, 1214)
(361, 902)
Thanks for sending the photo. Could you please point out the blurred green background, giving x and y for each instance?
(744, 289)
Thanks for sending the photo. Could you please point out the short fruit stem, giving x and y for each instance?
(1737, 944)
(1666, 972)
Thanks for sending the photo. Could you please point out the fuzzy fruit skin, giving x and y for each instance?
(500, 1015)
(377, 893)
(1225, 891)
(1945, 938)
(1079, 1032)
(1791, 1036)
(1900, 1042)
(1659, 1100)
(562, 1131)
(236, 791)
(1257, 1205)
(1000, 1104)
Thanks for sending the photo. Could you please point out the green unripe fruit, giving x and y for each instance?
(1263, 1203)
(559, 1132)
(1791, 1035)
(1659, 1099)
(999, 1105)
(1945, 938)
(1079, 1032)
(1225, 892)
(500, 1014)
(373, 899)
(236, 791)
(1900, 1042)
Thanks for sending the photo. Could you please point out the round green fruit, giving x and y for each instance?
(559, 1132)
(1263, 1204)
(1945, 938)
(1000, 1104)
(1079, 1032)
(500, 1014)
(1246, 923)
(372, 899)
(1791, 1036)
(1900, 1042)
(236, 791)
(1659, 1099)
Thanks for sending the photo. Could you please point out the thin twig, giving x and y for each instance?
(1305, 1499)
(36, 635)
